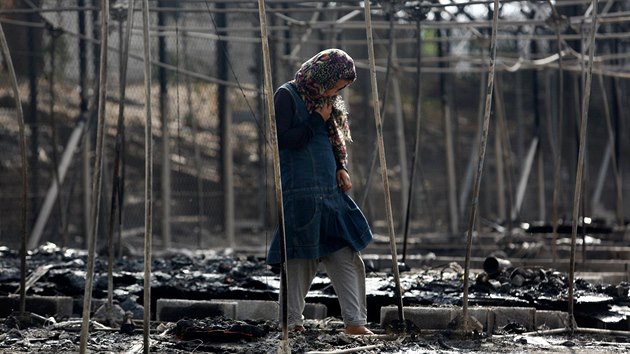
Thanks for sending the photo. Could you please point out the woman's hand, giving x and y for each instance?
(343, 180)
(325, 110)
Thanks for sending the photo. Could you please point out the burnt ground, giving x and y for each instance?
(227, 275)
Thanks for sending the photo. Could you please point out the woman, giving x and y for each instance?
(322, 223)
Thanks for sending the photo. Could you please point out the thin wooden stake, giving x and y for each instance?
(148, 175)
(482, 154)
(273, 140)
(383, 111)
(97, 180)
(118, 170)
(381, 153)
(579, 175)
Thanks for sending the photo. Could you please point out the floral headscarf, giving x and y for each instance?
(321, 73)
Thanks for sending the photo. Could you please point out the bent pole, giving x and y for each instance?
(381, 153)
(579, 174)
(24, 171)
(273, 142)
(482, 154)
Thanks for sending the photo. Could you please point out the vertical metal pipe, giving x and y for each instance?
(225, 127)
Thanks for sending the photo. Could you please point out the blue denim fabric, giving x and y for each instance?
(319, 217)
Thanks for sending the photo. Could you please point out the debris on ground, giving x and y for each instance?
(213, 275)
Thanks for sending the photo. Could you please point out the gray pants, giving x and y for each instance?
(346, 271)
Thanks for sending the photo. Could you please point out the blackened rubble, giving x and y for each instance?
(212, 275)
(599, 306)
(547, 289)
(216, 275)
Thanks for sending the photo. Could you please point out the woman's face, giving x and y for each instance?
(333, 90)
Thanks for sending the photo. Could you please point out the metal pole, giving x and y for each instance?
(480, 161)
(33, 74)
(557, 161)
(498, 150)
(225, 127)
(273, 140)
(165, 184)
(83, 115)
(504, 135)
(580, 164)
(449, 150)
(97, 179)
(416, 146)
(401, 145)
(148, 175)
(381, 151)
(538, 134)
(201, 241)
(118, 177)
(54, 34)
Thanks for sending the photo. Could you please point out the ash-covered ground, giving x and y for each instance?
(223, 275)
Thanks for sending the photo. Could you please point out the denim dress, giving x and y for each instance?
(319, 217)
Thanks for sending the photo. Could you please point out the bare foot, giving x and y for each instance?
(358, 330)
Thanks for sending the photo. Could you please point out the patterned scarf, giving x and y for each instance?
(319, 74)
